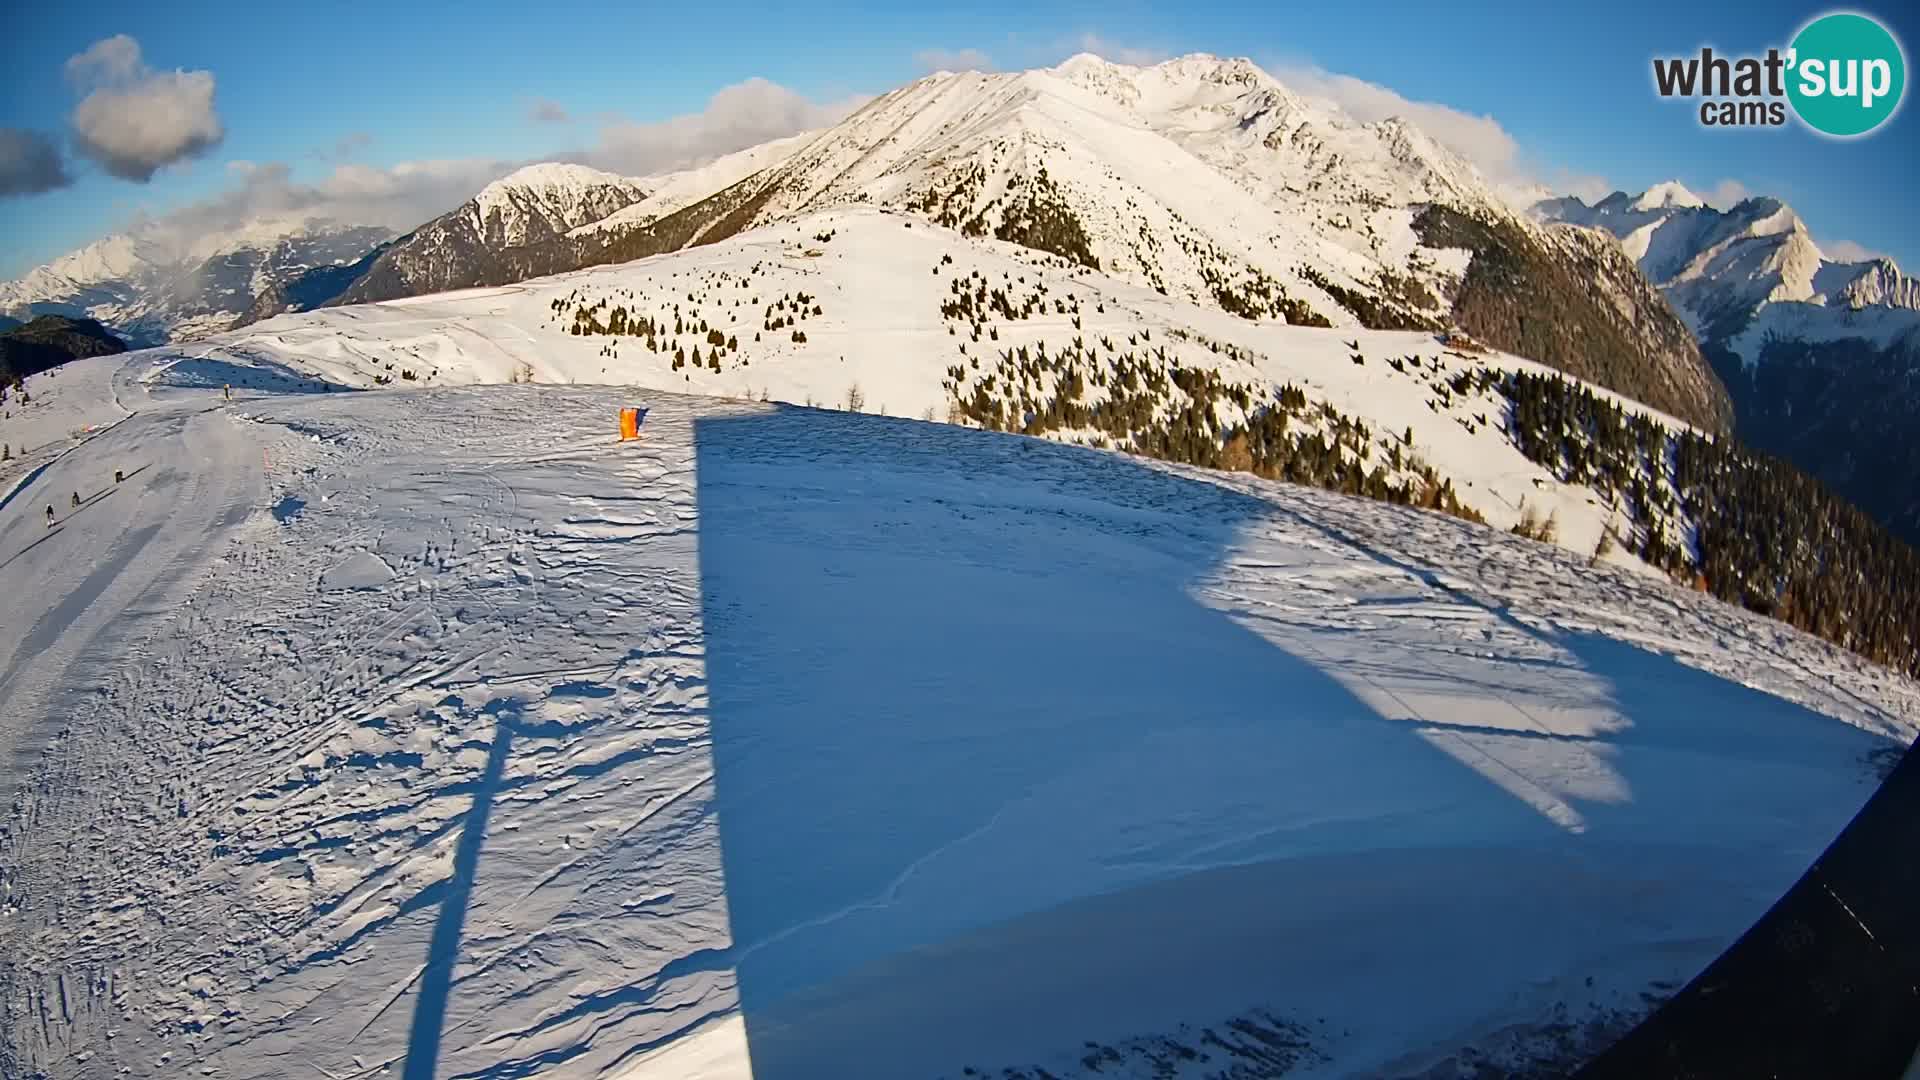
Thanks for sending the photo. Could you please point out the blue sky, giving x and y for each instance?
(314, 89)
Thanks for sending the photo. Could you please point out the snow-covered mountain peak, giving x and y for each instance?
(117, 256)
(545, 200)
(1200, 178)
(1874, 283)
(563, 195)
(1118, 144)
(1764, 215)
(555, 176)
(1101, 78)
(1668, 195)
(1206, 67)
(1086, 65)
(1818, 354)
(98, 271)
(154, 283)
(1183, 86)
(1724, 269)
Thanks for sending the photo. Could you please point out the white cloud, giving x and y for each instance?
(400, 197)
(109, 60)
(409, 194)
(1726, 194)
(953, 60)
(30, 163)
(1589, 188)
(1480, 139)
(134, 121)
(1847, 251)
(1108, 49)
(543, 111)
(742, 115)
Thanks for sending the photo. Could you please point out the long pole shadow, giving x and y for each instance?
(51, 533)
(85, 504)
(436, 984)
(73, 512)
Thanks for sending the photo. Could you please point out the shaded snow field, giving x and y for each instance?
(433, 732)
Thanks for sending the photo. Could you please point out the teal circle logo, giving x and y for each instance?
(1848, 74)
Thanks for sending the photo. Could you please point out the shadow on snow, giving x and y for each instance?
(436, 981)
(991, 781)
(959, 682)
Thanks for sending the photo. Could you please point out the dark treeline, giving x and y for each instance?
(1560, 306)
(1035, 392)
(1842, 410)
(1766, 535)
(49, 341)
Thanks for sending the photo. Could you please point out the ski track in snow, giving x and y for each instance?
(434, 733)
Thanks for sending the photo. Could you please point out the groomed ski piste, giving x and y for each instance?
(428, 730)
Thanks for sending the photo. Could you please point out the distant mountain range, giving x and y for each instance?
(1741, 275)
(1207, 179)
(150, 291)
(1822, 356)
(1201, 178)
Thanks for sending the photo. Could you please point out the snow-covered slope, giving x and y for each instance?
(887, 329)
(151, 287)
(668, 192)
(545, 200)
(1198, 152)
(433, 732)
(1201, 178)
(1207, 179)
(1668, 196)
(118, 257)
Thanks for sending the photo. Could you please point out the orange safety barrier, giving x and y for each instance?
(629, 424)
